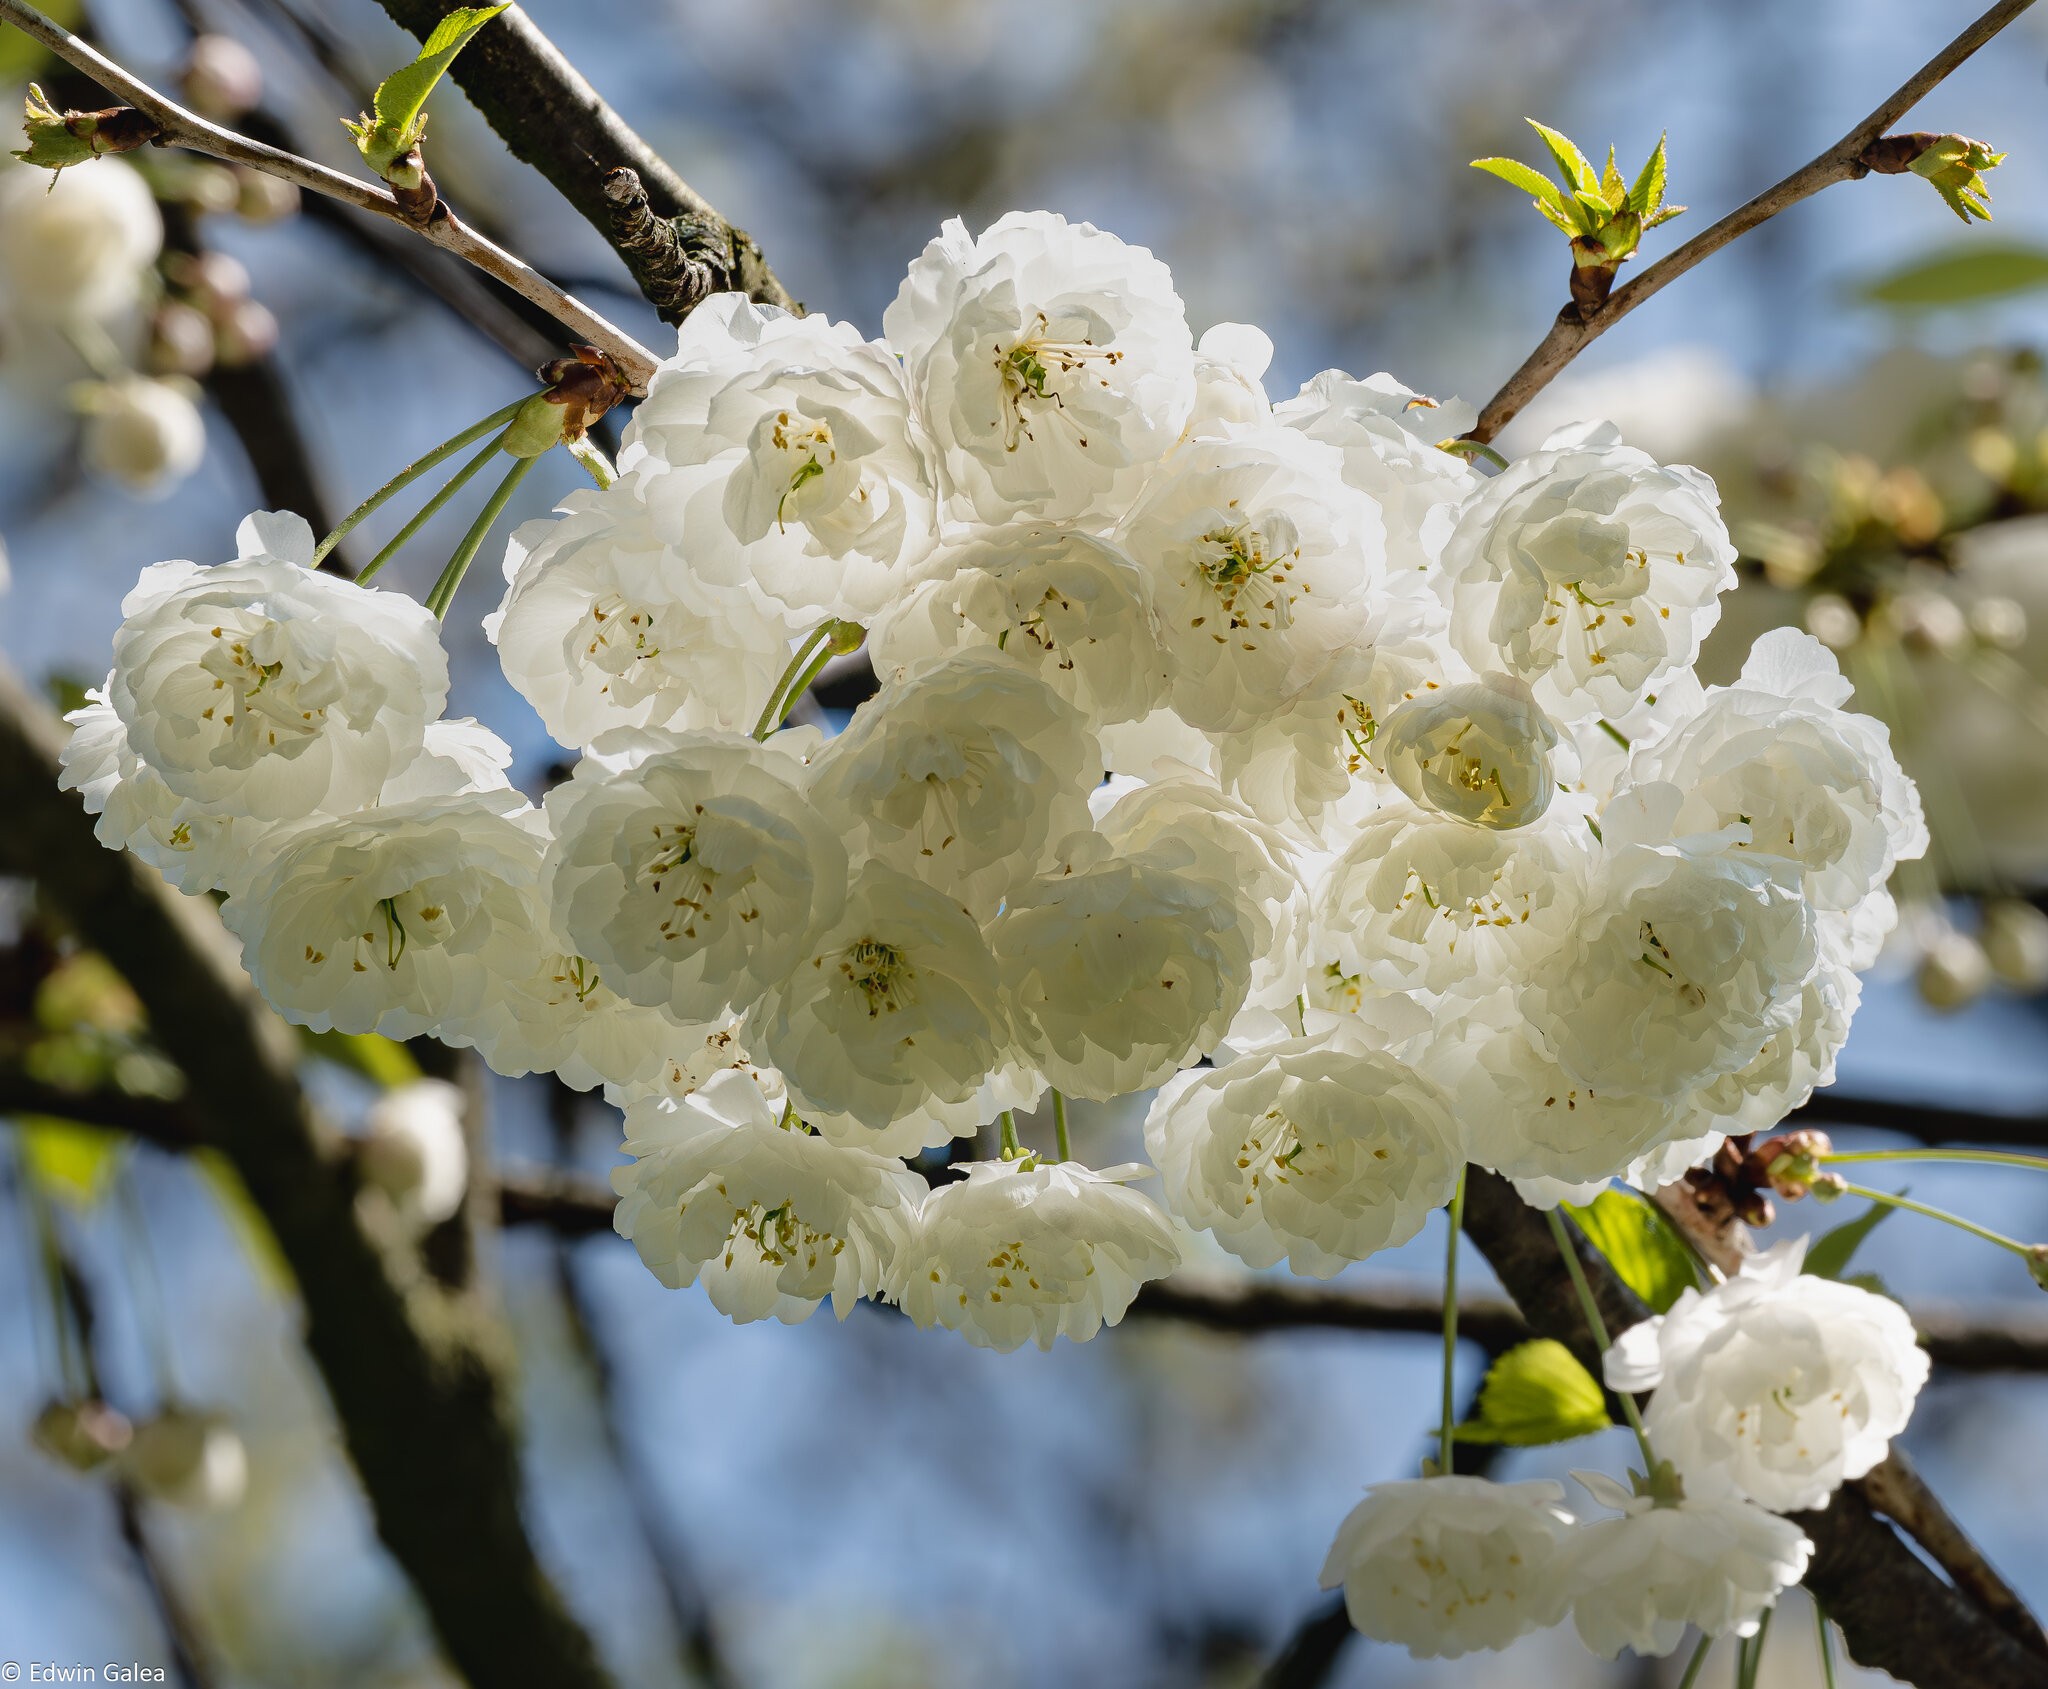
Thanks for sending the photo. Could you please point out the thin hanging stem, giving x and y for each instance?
(1892, 1200)
(1699, 1658)
(432, 508)
(444, 590)
(811, 656)
(411, 473)
(1750, 1660)
(147, 1286)
(1991, 1157)
(1444, 1439)
(1827, 1645)
(74, 1367)
(1059, 1123)
(1598, 1326)
(1011, 1148)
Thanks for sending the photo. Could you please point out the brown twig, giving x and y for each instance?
(550, 117)
(1575, 329)
(181, 128)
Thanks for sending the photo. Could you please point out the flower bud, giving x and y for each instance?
(1954, 972)
(413, 1150)
(263, 198)
(2037, 1263)
(1480, 752)
(1832, 620)
(82, 1435)
(247, 333)
(188, 1459)
(536, 429)
(2015, 940)
(222, 78)
(59, 139)
(1790, 1164)
(146, 434)
(2000, 623)
(180, 340)
(216, 282)
(1931, 622)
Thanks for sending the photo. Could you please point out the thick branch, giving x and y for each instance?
(1894, 1612)
(552, 119)
(415, 1375)
(1575, 329)
(181, 128)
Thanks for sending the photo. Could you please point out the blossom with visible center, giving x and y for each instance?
(1051, 363)
(1480, 751)
(1029, 1250)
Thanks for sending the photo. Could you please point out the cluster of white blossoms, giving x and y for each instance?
(1275, 757)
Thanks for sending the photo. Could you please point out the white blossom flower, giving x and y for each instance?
(1121, 973)
(1032, 1250)
(1051, 362)
(1798, 1059)
(1588, 570)
(604, 626)
(689, 869)
(76, 246)
(1389, 436)
(1420, 902)
(1319, 1150)
(1527, 1118)
(402, 920)
(214, 847)
(770, 1217)
(413, 1149)
(1443, 1566)
(1777, 753)
(893, 1007)
(966, 774)
(1184, 822)
(1261, 559)
(1641, 1579)
(1065, 604)
(1689, 958)
(1776, 1385)
(269, 687)
(822, 491)
(146, 434)
(1481, 751)
(1231, 360)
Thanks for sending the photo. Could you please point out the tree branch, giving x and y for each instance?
(672, 239)
(1574, 329)
(181, 128)
(1893, 1611)
(416, 1375)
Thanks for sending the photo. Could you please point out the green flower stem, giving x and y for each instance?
(1059, 1123)
(1827, 1644)
(1699, 1659)
(1992, 1157)
(1750, 1659)
(443, 593)
(1598, 1327)
(428, 511)
(787, 687)
(1450, 1404)
(1892, 1200)
(409, 474)
(1011, 1148)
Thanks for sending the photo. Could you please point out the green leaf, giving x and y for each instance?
(1960, 275)
(1829, 1255)
(1536, 1393)
(1648, 191)
(73, 1163)
(382, 1061)
(1645, 1253)
(1517, 174)
(1578, 169)
(1611, 189)
(401, 95)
